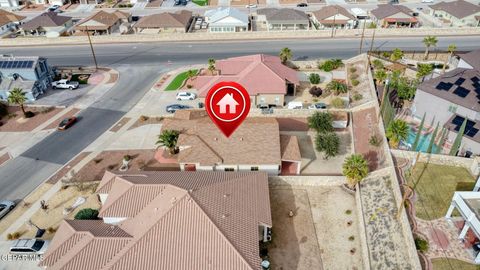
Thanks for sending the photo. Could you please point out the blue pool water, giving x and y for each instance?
(422, 143)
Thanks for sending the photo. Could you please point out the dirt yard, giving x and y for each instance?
(320, 235)
(16, 122)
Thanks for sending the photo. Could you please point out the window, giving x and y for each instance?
(254, 168)
(452, 108)
(229, 169)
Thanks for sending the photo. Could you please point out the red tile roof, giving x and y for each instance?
(259, 74)
(176, 220)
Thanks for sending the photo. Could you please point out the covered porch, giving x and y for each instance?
(400, 22)
(468, 205)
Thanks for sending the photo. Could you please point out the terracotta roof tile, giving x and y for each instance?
(330, 11)
(387, 10)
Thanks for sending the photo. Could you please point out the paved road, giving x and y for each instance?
(139, 65)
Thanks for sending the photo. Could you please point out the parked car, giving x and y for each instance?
(65, 84)
(175, 107)
(302, 5)
(251, 6)
(67, 122)
(317, 106)
(427, 1)
(5, 207)
(53, 8)
(29, 246)
(295, 105)
(185, 96)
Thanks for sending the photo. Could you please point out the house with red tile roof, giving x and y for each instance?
(256, 145)
(169, 221)
(264, 77)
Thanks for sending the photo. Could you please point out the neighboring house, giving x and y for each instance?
(27, 68)
(49, 24)
(9, 21)
(169, 220)
(7, 84)
(282, 19)
(452, 97)
(104, 22)
(265, 78)
(334, 15)
(165, 22)
(458, 13)
(255, 146)
(9, 3)
(388, 15)
(226, 19)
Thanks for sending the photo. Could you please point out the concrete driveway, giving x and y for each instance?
(155, 102)
(8, 263)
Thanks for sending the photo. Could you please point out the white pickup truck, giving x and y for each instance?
(64, 84)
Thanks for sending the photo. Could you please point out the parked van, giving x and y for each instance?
(295, 105)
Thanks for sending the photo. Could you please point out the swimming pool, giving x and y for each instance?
(422, 143)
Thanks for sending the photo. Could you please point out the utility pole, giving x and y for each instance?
(363, 33)
(91, 47)
(333, 26)
(370, 51)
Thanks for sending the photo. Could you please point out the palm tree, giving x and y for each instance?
(355, 168)
(451, 49)
(397, 54)
(429, 41)
(191, 73)
(285, 55)
(17, 96)
(380, 76)
(423, 70)
(211, 65)
(337, 87)
(397, 131)
(169, 138)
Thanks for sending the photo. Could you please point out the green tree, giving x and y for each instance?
(397, 54)
(327, 142)
(355, 168)
(397, 131)
(87, 213)
(423, 70)
(458, 139)
(321, 122)
(380, 76)
(211, 65)
(429, 41)
(419, 133)
(451, 49)
(285, 55)
(191, 74)
(17, 96)
(337, 87)
(169, 138)
(432, 140)
(405, 89)
(314, 78)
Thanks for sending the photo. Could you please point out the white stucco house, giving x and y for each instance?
(226, 19)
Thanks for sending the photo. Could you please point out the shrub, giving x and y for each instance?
(29, 114)
(13, 236)
(351, 238)
(315, 91)
(338, 103)
(314, 78)
(357, 96)
(47, 109)
(87, 213)
(189, 86)
(328, 142)
(326, 66)
(377, 63)
(353, 70)
(386, 54)
(127, 157)
(337, 87)
(144, 118)
(321, 122)
(372, 25)
(421, 244)
(375, 140)
(355, 82)
(353, 76)
(97, 160)
(51, 230)
(348, 212)
(11, 115)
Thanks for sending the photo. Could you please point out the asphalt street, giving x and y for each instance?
(139, 65)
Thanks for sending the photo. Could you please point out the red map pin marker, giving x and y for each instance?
(227, 104)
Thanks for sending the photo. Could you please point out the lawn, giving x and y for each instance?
(177, 82)
(200, 2)
(435, 188)
(444, 264)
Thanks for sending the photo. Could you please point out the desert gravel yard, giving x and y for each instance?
(317, 236)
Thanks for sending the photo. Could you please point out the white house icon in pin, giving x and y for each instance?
(229, 101)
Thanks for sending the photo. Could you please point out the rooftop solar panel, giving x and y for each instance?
(471, 132)
(459, 81)
(461, 92)
(444, 86)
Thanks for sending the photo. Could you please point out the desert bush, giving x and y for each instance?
(315, 91)
(355, 82)
(353, 76)
(421, 244)
(13, 236)
(51, 230)
(189, 86)
(351, 238)
(338, 103)
(97, 160)
(328, 143)
(353, 70)
(144, 118)
(357, 96)
(29, 114)
(377, 63)
(375, 140)
(348, 212)
(314, 78)
(87, 213)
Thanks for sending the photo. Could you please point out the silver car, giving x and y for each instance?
(29, 246)
(5, 207)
